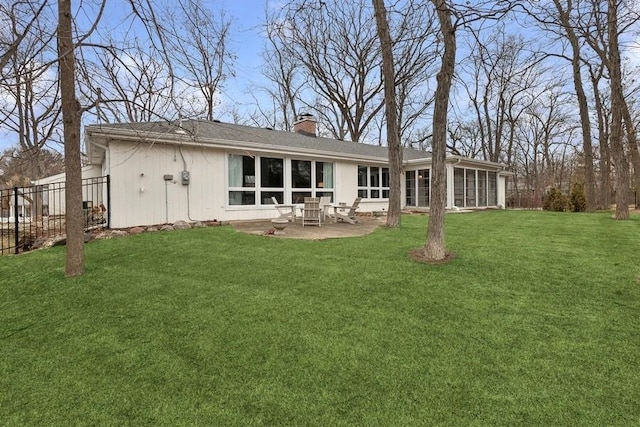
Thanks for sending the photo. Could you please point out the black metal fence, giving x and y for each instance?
(29, 215)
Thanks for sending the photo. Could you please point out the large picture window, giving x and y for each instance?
(373, 182)
(242, 180)
(311, 179)
(243, 185)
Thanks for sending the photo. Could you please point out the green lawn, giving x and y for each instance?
(536, 322)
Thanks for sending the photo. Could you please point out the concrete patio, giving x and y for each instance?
(295, 230)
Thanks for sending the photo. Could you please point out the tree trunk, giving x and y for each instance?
(617, 99)
(633, 148)
(589, 175)
(393, 131)
(604, 200)
(434, 247)
(71, 112)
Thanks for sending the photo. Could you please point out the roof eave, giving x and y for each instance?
(224, 144)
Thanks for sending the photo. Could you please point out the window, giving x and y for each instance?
(385, 183)
(373, 182)
(458, 187)
(271, 180)
(470, 187)
(474, 188)
(311, 179)
(493, 189)
(482, 188)
(363, 181)
(243, 185)
(242, 175)
(410, 188)
(417, 187)
(423, 187)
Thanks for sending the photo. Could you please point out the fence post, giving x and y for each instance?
(16, 218)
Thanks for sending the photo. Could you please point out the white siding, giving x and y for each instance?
(141, 196)
(502, 190)
(346, 182)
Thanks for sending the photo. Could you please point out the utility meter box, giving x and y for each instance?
(185, 177)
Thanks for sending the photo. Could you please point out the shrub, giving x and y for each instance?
(578, 200)
(555, 201)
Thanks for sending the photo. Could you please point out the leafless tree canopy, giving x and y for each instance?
(536, 84)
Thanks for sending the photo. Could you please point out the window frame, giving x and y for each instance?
(377, 190)
(253, 187)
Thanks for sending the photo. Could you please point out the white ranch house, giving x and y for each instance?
(204, 170)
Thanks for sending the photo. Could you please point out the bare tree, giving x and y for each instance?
(198, 44)
(71, 112)
(561, 20)
(29, 84)
(127, 84)
(617, 101)
(18, 19)
(331, 54)
(393, 130)
(505, 75)
(71, 117)
(284, 75)
(596, 75)
(15, 168)
(337, 47)
(434, 247)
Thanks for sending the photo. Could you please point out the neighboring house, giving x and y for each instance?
(205, 170)
(11, 205)
(53, 193)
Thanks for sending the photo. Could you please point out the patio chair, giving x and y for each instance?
(284, 211)
(350, 216)
(311, 211)
(325, 205)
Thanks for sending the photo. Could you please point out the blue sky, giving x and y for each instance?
(247, 17)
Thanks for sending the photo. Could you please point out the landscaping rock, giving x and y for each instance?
(119, 233)
(136, 230)
(181, 225)
(167, 227)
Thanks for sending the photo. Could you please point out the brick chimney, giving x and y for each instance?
(305, 125)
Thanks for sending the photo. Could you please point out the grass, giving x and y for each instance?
(535, 322)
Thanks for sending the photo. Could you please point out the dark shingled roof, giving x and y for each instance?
(208, 132)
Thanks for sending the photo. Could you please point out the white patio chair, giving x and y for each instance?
(284, 211)
(349, 216)
(311, 212)
(325, 205)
